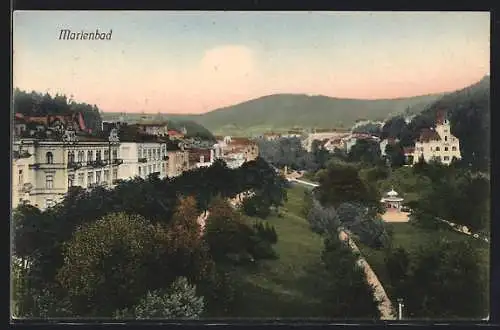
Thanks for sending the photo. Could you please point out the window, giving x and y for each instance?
(115, 174)
(445, 138)
(139, 153)
(106, 175)
(149, 154)
(115, 154)
(158, 153)
(50, 158)
(81, 179)
(453, 148)
(49, 181)
(21, 177)
(446, 158)
(90, 179)
(71, 179)
(140, 171)
(446, 131)
(98, 177)
(437, 149)
(106, 154)
(71, 157)
(98, 155)
(445, 148)
(81, 156)
(90, 156)
(150, 169)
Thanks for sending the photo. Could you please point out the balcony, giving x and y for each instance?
(46, 166)
(117, 161)
(98, 163)
(143, 160)
(21, 154)
(74, 165)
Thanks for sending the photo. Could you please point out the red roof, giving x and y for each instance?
(173, 132)
(427, 135)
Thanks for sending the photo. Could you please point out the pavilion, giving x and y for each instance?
(392, 201)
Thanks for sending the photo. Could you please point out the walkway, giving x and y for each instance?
(384, 303)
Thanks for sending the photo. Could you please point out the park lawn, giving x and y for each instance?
(290, 285)
(412, 238)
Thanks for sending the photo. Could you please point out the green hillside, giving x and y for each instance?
(283, 111)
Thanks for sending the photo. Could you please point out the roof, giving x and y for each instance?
(427, 135)
(195, 154)
(174, 132)
(240, 141)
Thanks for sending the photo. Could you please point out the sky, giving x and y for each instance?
(194, 62)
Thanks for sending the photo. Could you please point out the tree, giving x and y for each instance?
(397, 263)
(322, 220)
(396, 155)
(178, 302)
(358, 219)
(103, 263)
(348, 295)
(341, 183)
(365, 151)
(446, 280)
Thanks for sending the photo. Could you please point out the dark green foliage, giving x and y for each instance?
(266, 231)
(398, 264)
(256, 206)
(341, 183)
(365, 151)
(40, 236)
(178, 302)
(348, 294)
(37, 104)
(446, 281)
(287, 152)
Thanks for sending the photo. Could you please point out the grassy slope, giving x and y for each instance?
(411, 239)
(286, 287)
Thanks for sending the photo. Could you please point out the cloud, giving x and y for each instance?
(227, 65)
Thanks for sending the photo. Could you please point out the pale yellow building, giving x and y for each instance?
(437, 144)
(43, 170)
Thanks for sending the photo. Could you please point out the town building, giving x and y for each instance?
(436, 144)
(321, 135)
(199, 157)
(157, 128)
(43, 170)
(178, 162)
(142, 158)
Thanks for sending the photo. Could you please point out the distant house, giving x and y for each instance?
(437, 144)
(175, 134)
(158, 128)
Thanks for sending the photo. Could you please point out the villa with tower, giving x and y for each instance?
(436, 144)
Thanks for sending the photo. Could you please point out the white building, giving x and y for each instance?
(437, 144)
(44, 170)
(143, 158)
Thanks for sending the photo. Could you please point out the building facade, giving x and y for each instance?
(44, 170)
(437, 144)
(178, 162)
(143, 158)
